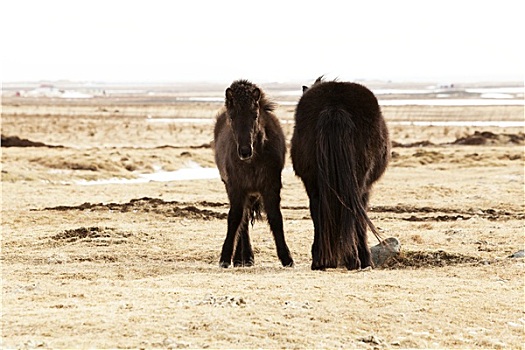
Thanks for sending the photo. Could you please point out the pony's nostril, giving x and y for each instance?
(245, 152)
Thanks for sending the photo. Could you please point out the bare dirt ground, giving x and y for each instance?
(136, 265)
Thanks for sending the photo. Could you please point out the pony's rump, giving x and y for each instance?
(341, 124)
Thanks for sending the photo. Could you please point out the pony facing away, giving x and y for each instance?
(250, 152)
(340, 147)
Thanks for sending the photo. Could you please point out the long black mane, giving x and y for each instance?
(241, 89)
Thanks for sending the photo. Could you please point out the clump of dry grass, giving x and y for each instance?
(428, 259)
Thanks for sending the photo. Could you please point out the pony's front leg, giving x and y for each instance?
(234, 220)
(243, 250)
(272, 205)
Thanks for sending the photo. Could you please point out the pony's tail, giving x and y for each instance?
(343, 217)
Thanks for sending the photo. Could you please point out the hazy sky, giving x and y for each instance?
(264, 40)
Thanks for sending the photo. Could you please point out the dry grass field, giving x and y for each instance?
(135, 265)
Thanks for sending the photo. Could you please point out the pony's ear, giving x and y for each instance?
(305, 88)
(256, 93)
(229, 95)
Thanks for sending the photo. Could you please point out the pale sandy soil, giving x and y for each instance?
(136, 265)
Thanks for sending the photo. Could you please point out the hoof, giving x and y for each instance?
(224, 264)
(289, 264)
(352, 266)
(248, 263)
(322, 264)
(317, 267)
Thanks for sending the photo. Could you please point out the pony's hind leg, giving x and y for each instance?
(316, 249)
(243, 255)
(315, 213)
(364, 256)
(243, 250)
(235, 216)
(362, 236)
(362, 259)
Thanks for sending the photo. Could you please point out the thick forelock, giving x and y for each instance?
(242, 92)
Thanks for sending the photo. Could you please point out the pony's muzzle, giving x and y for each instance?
(245, 152)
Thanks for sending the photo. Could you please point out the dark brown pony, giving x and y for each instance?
(340, 147)
(250, 152)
